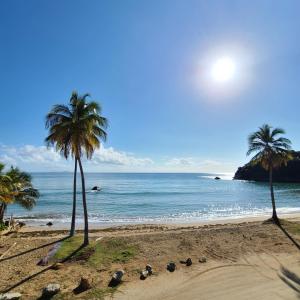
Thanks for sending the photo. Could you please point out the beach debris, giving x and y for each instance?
(10, 296)
(149, 269)
(171, 266)
(57, 266)
(217, 178)
(147, 272)
(49, 224)
(144, 274)
(189, 262)
(202, 259)
(43, 261)
(116, 278)
(84, 285)
(50, 290)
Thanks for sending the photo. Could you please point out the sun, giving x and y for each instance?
(223, 69)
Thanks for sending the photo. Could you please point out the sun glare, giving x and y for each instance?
(223, 69)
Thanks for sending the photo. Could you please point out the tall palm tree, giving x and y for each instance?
(272, 150)
(76, 129)
(16, 187)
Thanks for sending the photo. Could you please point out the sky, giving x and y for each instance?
(149, 65)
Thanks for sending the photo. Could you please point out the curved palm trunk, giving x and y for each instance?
(274, 215)
(2, 211)
(86, 222)
(72, 231)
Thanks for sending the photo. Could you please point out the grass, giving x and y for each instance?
(104, 252)
(291, 227)
(3, 226)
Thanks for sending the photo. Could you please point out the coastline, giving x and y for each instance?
(117, 226)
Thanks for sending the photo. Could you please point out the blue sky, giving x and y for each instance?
(146, 61)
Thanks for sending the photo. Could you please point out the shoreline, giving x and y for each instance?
(94, 226)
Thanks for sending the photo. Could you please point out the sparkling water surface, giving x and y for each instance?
(155, 198)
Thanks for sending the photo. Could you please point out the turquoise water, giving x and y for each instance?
(155, 198)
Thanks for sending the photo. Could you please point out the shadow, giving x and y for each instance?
(42, 271)
(291, 279)
(33, 249)
(288, 235)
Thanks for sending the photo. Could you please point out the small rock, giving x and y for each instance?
(171, 266)
(43, 261)
(149, 269)
(116, 278)
(57, 266)
(51, 290)
(10, 296)
(84, 285)
(202, 259)
(49, 224)
(217, 178)
(189, 262)
(144, 274)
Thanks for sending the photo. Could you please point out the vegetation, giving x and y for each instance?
(76, 129)
(272, 151)
(106, 252)
(16, 187)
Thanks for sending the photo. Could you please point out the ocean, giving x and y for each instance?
(133, 198)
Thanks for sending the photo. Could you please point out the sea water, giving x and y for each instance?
(133, 198)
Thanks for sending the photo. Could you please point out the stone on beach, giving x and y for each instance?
(51, 290)
(84, 285)
(49, 224)
(202, 259)
(149, 269)
(116, 278)
(144, 274)
(171, 266)
(10, 296)
(189, 262)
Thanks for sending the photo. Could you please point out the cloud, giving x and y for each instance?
(181, 161)
(41, 158)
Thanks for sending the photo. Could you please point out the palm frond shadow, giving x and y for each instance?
(291, 279)
(42, 271)
(33, 249)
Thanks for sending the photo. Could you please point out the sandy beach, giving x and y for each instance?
(245, 259)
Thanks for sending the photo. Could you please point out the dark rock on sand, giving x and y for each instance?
(171, 266)
(50, 290)
(217, 178)
(116, 278)
(149, 269)
(49, 224)
(189, 262)
(144, 274)
(84, 285)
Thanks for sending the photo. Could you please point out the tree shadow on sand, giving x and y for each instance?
(42, 271)
(33, 249)
(280, 225)
(291, 279)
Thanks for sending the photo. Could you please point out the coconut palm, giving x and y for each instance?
(16, 187)
(272, 150)
(76, 129)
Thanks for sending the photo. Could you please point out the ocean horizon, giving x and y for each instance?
(136, 198)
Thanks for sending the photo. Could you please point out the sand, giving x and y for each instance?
(245, 260)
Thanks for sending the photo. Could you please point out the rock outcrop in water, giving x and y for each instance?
(288, 173)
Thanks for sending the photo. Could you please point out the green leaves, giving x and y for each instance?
(76, 129)
(271, 150)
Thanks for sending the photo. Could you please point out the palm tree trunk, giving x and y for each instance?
(274, 215)
(72, 231)
(86, 222)
(2, 211)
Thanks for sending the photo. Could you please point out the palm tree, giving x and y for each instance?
(76, 129)
(16, 187)
(272, 150)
